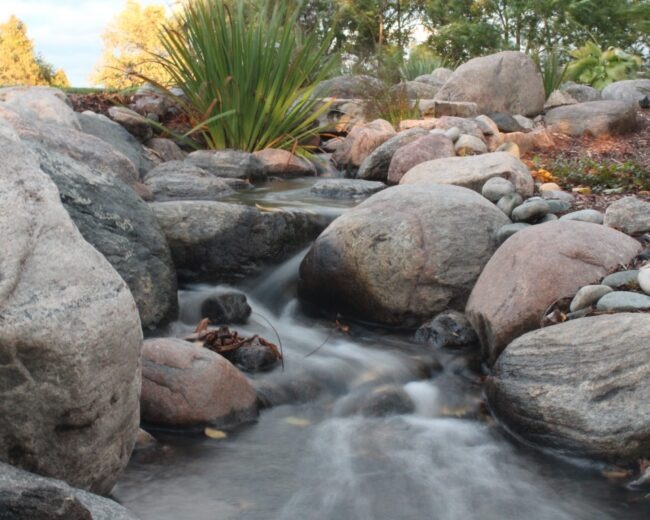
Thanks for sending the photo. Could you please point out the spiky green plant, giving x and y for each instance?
(253, 63)
(593, 66)
(551, 68)
(419, 64)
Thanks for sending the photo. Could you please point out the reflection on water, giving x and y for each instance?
(303, 460)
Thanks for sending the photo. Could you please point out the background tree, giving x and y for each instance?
(129, 43)
(18, 62)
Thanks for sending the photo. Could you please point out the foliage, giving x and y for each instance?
(389, 103)
(551, 68)
(255, 63)
(420, 61)
(593, 66)
(599, 175)
(19, 65)
(130, 43)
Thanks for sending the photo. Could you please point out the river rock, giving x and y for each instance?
(361, 142)
(70, 337)
(121, 226)
(381, 401)
(177, 180)
(26, 496)
(346, 188)
(375, 166)
(132, 121)
(461, 124)
(496, 188)
(559, 98)
(509, 202)
(560, 206)
(644, 280)
(525, 122)
(423, 149)
(185, 385)
(505, 232)
(581, 93)
(488, 127)
(348, 86)
(282, 163)
(449, 329)
(506, 122)
(630, 91)
(403, 255)
(507, 302)
(507, 82)
(415, 89)
(217, 241)
(77, 145)
(557, 195)
(229, 163)
(253, 358)
(166, 149)
(622, 279)
(537, 139)
(622, 301)
(585, 215)
(473, 172)
(225, 308)
(630, 215)
(579, 387)
(116, 135)
(588, 296)
(46, 104)
(595, 118)
(469, 145)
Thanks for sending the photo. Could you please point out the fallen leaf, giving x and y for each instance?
(215, 434)
(297, 421)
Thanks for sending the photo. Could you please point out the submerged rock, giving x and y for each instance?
(376, 402)
(177, 180)
(229, 163)
(449, 329)
(226, 308)
(580, 387)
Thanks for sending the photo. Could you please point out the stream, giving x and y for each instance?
(311, 455)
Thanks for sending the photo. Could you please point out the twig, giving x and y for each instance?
(276, 335)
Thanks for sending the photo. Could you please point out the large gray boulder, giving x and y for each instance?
(630, 91)
(70, 337)
(45, 104)
(533, 269)
(119, 138)
(403, 255)
(233, 164)
(122, 227)
(508, 82)
(473, 172)
(423, 149)
(415, 89)
(375, 166)
(26, 496)
(178, 180)
(347, 87)
(595, 118)
(580, 387)
(218, 241)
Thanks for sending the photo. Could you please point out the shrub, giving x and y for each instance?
(593, 66)
(389, 103)
(551, 68)
(251, 63)
(419, 63)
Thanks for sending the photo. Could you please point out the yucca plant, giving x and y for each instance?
(593, 66)
(251, 64)
(551, 68)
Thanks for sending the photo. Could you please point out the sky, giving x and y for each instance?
(67, 33)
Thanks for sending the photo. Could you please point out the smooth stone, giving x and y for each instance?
(622, 279)
(375, 166)
(226, 308)
(346, 188)
(228, 163)
(594, 118)
(558, 195)
(549, 186)
(524, 122)
(505, 232)
(496, 188)
(510, 147)
(253, 358)
(644, 280)
(449, 329)
(469, 145)
(549, 217)
(453, 133)
(506, 123)
(509, 202)
(488, 127)
(530, 211)
(558, 206)
(630, 215)
(621, 301)
(585, 215)
(132, 121)
(379, 402)
(425, 148)
(588, 296)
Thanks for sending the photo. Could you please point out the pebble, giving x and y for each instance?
(624, 301)
(620, 279)
(587, 296)
(505, 232)
(531, 210)
(557, 195)
(510, 147)
(549, 217)
(549, 186)
(453, 133)
(496, 188)
(644, 280)
(558, 206)
(509, 202)
(469, 145)
(585, 215)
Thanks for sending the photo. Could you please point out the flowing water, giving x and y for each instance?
(309, 456)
